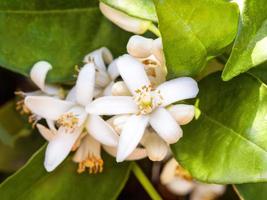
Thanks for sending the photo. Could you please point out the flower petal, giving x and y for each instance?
(120, 89)
(207, 191)
(180, 186)
(157, 50)
(47, 107)
(139, 46)
(45, 132)
(108, 90)
(85, 84)
(71, 96)
(182, 113)
(113, 70)
(38, 73)
(156, 147)
(137, 154)
(101, 131)
(178, 89)
(165, 125)
(131, 135)
(59, 148)
(112, 105)
(101, 57)
(124, 21)
(168, 172)
(132, 72)
(102, 78)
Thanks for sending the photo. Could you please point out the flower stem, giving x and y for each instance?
(139, 174)
(154, 30)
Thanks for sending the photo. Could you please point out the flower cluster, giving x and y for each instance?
(131, 91)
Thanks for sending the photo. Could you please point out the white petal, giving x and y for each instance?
(85, 84)
(155, 146)
(108, 90)
(168, 172)
(113, 70)
(157, 50)
(178, 89)
(207, 191)
(118, 122)
(112, 105)
(102, 78)
(120, 89)
(165, 125)
(132, 72)
(45, 132)
(38, 73)
(47, 107)
(181, 186)
(137, 154)
(71, 96)
(51, 125)
(182, 113)
(101, 57)
(59, 148)
(124, 21)
(131, 135)
(88, 147)
(101, 131)
(98, 92)
(139, 46)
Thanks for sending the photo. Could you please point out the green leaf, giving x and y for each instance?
(15, 156)
(193, 30)
(10, 123)
(136, 8)
(260, 72)
(32, 182)
(228, 142)
(250, 46)
(252, 191)
(61, 33)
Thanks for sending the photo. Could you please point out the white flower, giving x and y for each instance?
(180, 182)
(124, 21)
(71, 118)
(147, 105)
(105, 76)
(38, 75)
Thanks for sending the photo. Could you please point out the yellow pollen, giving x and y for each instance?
(93, 163)
(181, 172)
(68, 120)
(147, 99)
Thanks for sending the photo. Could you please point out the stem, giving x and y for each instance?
(139, 174)
(154, 30)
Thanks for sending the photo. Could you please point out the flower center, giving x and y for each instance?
(68, 120)
(93, 163)
(147, 99)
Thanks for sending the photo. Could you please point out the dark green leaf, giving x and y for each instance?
(32, 182)
(228, 143)
(193, 30)
(10, 123)
(260, 72)
(136, 8)
(250, 46)
(252, 191)
(61, 33)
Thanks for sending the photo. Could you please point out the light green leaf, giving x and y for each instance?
(250, 46)
(252, 191)
(60, 32)
(228, 142)
(32, 182)
(136, 8)
(193, 30)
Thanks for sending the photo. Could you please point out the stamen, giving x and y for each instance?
(68, 120)
(147, 99)
(181, 172)
(93, 163)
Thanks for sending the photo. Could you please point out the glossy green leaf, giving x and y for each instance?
(61, 32)
(32, 182)
(250, 46)
(260, 72)
(252, 191)
(228, 142)
(193, 30)
(136, 8)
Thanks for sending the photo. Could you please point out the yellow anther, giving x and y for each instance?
(93, 163)
(181, 172)
(68, 120)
